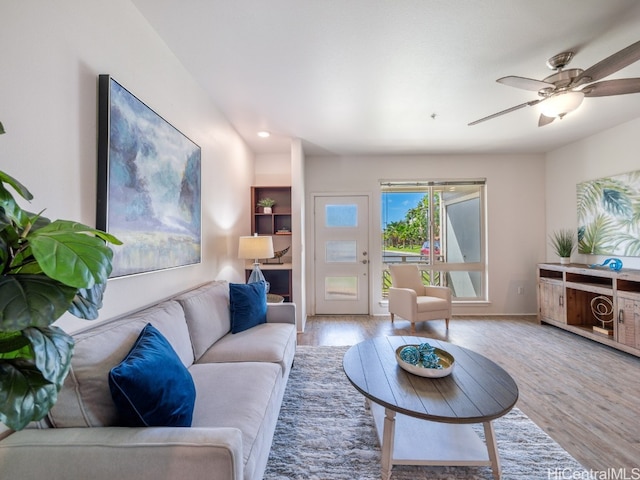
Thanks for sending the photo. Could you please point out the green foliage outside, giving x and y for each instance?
(408, 235)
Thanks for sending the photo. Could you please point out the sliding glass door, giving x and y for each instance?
(438, 225)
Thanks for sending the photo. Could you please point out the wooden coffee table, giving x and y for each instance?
(423, 421)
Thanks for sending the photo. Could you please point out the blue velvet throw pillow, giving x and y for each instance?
(151, 387)
(248, 305)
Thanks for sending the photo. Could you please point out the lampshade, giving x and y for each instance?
(561, 103)
(255, 247)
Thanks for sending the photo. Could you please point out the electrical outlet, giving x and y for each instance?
(520, 290)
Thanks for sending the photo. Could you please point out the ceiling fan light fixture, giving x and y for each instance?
(560, 104)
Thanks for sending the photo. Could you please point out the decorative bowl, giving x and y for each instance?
(446, 360)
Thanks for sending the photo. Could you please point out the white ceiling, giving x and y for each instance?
(395, 76)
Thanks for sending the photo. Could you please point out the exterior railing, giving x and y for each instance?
(420, 260)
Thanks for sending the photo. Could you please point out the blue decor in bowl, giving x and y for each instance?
(410, 354)
(429, 361)
(428, 356)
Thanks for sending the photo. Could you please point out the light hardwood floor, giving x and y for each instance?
(586, 396)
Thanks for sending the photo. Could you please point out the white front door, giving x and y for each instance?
(341, 239)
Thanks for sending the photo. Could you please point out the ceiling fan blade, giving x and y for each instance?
(524, 83)
(613, 87)
(508, 110)
(544, 120)
(610, 65)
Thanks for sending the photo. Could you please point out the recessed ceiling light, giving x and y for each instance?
(264, 134)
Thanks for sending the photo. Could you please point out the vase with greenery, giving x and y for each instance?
(266, 204)
(47, 268)
(563, 242)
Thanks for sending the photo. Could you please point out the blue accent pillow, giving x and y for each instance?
(151, 386)
(248, 304)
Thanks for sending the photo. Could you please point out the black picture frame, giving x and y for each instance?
(149, 185)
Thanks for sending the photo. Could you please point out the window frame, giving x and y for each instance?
(435, 270)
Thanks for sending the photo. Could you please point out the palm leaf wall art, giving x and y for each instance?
(609, 215)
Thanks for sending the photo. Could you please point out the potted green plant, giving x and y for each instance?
(266, 204)
(563, 242)
(46, 269)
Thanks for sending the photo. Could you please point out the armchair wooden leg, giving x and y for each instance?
(446, 322)
(392, 317)
(413, 328)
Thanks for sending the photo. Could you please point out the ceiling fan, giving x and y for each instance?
(563, 91)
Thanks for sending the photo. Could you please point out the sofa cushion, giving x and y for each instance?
(268, 342)
(85, 399)
(248, 305)
(151, 387)
(206, 310)
(250, 402)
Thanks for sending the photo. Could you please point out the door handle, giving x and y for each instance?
(365, 261)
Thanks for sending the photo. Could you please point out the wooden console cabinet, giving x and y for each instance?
(568, 293)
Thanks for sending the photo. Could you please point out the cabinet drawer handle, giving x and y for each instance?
(620, 316)
(561, 300)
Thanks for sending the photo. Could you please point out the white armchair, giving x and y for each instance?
(410, 299)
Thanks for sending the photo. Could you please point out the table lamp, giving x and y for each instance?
(255, 248)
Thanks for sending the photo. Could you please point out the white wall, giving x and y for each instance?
(273, 169)
(52, 53)
(611, 152)
(515, 205)
(298, 223)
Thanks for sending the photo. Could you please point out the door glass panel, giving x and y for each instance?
(341, 288)
(340, 251)
(341, 215)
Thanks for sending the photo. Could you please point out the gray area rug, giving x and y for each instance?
(325, 433)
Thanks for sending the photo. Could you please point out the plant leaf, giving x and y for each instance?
(17, 186)
(12, 344)
(26, 393)
(87, 302)
(12, 211)
(32, 301)
(67, 254)
(52, 350)
(68, 226)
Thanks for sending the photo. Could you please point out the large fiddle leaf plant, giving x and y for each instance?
(46, 269)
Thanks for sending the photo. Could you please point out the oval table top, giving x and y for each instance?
(477, 390)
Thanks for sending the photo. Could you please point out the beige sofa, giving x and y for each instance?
(239, 378)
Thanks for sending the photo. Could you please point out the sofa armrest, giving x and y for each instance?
(114, 452)
(281, 313)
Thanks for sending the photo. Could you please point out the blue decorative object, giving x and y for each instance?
(614, 264)
(151, 386)
(248, 305)
(428, 356)
(424, 360)
(424, 354)
(410, 354)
